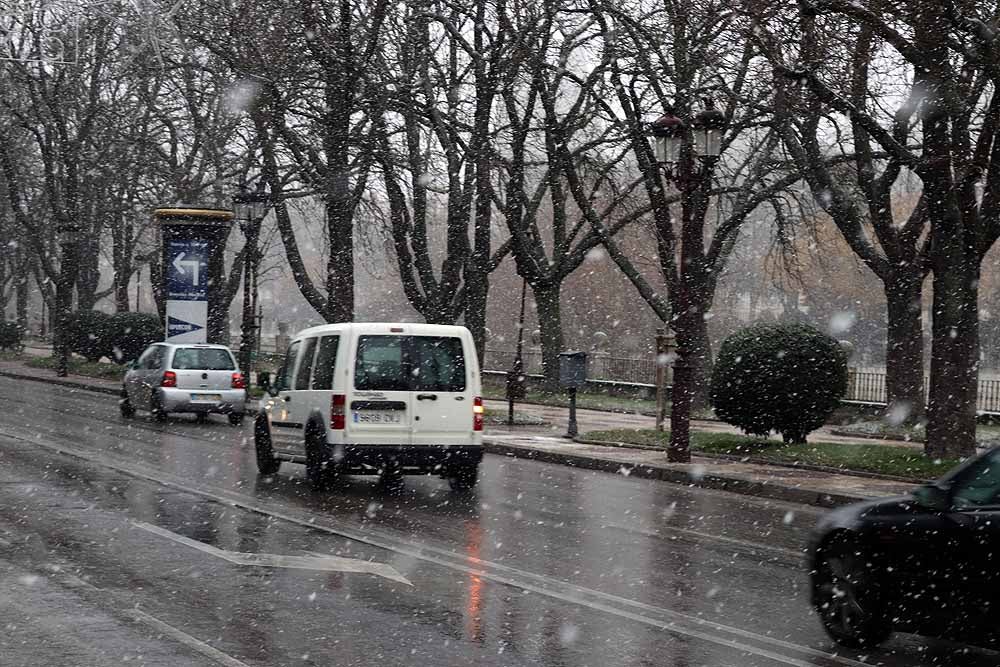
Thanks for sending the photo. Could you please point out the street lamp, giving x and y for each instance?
(707, 129)
(668, 137)
(250, 207)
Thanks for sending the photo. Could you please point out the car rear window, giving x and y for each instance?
(202, 359)
(410, 363)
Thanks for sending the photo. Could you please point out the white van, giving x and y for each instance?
(387, 399)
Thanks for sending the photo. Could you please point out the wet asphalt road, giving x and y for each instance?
(120, 542)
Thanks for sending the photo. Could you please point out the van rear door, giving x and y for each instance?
(379, 410)
(441, 383)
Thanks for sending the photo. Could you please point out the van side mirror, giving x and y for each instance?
(933, 497)
(274, 387)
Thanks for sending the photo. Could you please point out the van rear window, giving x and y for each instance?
(410, 363)
(202, 359)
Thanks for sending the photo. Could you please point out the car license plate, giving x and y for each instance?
(206, 397)
(377, 417)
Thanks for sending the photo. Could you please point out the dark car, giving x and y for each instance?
(928, 563)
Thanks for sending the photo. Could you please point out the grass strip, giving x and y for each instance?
(858, 457)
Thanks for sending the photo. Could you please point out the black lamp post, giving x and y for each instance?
(251, 207)
(688, 154)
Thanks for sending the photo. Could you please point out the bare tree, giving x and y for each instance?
(945, 131)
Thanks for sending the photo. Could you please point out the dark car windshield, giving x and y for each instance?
(202, 359)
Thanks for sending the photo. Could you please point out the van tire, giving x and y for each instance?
(266, 463)
(319, 468)
(463, 477)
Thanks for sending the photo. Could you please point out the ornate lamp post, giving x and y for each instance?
(251, 209)
(687, 153)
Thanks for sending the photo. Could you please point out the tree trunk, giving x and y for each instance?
(700, 360)
(904, 350)
(550, 325)
(88, 274)
(951, 410)
(340, 265)
(477, 287)
(689, 328)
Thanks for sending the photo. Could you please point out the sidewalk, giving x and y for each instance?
(811, 487)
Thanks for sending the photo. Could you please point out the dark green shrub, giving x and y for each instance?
(88, 334)
(786, 378)
(131, 333)
(10, 336)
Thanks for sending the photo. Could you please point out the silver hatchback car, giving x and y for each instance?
(193, 378)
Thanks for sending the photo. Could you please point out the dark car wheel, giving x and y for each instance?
(125, 406)
(156, 409)
(463, 477)
(266, 463)
(235, 419)
(845, 596)
(319, 469)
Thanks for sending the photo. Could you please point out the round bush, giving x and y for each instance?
(785, 378)
(88, 334)
(131, 333)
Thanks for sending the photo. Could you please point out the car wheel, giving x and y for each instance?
(125, 406)
(845, 596)
(156, 409)
(463, 477)
(235, 418)
(266, 463)
(319, 468)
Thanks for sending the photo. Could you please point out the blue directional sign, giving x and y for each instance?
(187, 270)
(179, 327)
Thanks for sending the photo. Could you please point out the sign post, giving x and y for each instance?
(194, 240)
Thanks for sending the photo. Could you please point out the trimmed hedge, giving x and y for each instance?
(121, 337)
(10, 336)
(131, 333)
(785, 378)
(88, 334)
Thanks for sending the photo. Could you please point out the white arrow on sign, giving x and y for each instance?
(311, 562)
(179, 264)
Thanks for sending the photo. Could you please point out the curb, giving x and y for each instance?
(72, 384)
(798, 495)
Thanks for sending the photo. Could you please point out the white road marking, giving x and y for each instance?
(314, 562)
(184, 638)
(420, 551)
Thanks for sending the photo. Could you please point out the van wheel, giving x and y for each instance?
(156, 409)
(266, 463)
(463, 477)
(319, 468)
(125, 406)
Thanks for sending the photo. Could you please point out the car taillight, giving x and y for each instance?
(338, 413)
(477, 413)
(238, 381)
(169, 379)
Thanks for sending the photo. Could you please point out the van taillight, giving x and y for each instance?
(338, 412)
(238, 381)
(169, 379)
(477, 413)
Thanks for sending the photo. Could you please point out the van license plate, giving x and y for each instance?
(377, 417)
(206, 397)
